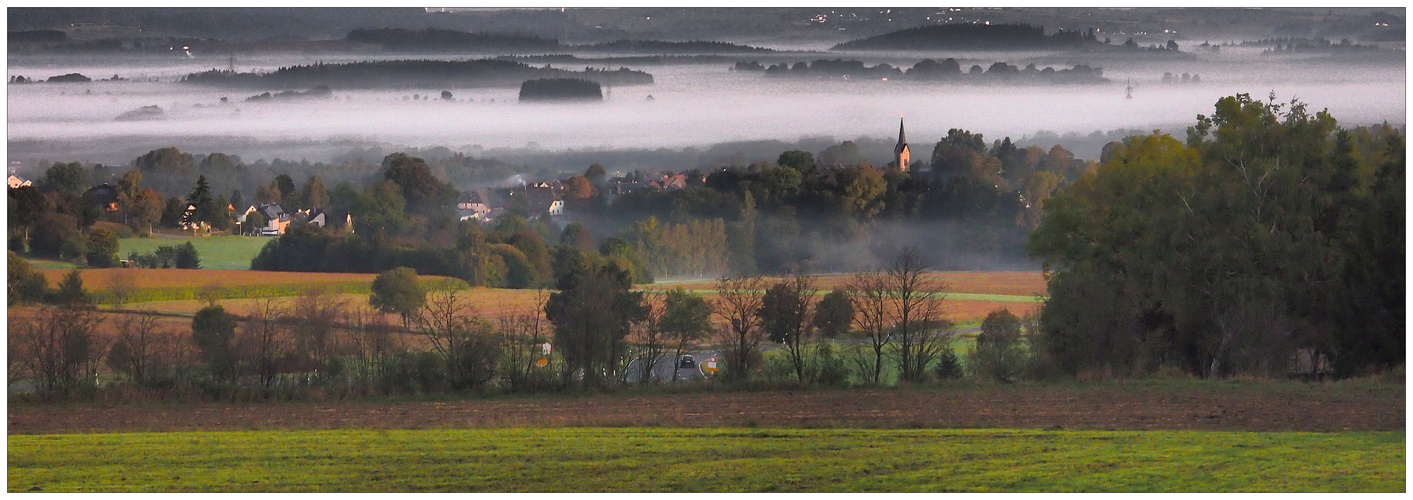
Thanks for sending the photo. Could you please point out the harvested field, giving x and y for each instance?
(968, 311)
(95, 280)
(997, 283)
(1284, 406)
(497, 301)
(155, 285)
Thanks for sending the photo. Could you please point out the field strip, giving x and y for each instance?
(980, 297)
(1138, 405)
(708, 460)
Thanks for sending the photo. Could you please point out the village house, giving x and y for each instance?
(105, 198)
(481, 205)
(331, 218)
(544, 200)
(276, 220)
(17, 182)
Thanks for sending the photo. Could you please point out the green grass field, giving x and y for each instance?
(217, 252)
(709, 460)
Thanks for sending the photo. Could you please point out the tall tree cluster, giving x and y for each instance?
(1272, 241)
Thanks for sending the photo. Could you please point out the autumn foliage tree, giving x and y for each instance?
(1270, 235)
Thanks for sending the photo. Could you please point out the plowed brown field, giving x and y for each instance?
(1137, 406)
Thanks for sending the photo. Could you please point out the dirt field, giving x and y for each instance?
(495, 302)
(1134, 406)
(999, 283)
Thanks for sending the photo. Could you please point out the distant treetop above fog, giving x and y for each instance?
(406, 73)
(661, 47)
(789, 26)
(972, 37)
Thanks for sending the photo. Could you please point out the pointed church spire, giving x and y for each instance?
(902, 155)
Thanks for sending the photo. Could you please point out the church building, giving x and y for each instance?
(901, 154)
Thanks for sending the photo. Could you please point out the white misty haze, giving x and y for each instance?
(693, 105)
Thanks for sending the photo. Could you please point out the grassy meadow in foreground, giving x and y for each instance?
(660, 459)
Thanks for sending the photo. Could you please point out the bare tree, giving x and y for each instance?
(785, 311)
(211, 292)
(917, 314)
(738, 302)
(649, 338)
(59, 348)
(523, 337)
(869, 293)
(315, 312)
(266, 340)
(464, 344)
(370, 340)
(121, 287)
(135, 348)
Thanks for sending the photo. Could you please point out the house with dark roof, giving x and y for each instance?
(330, 219)
(276, 220)
(481, 204)
(544, 200)
(105, 197)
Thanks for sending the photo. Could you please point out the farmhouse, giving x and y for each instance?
(276, 220)
(104, 197)
(481, 205)
(544, 200)
(17, 182)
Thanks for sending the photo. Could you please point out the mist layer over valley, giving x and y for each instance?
(684, 131)
(688, 105)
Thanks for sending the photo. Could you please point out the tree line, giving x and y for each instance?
(927, 69)
(410, 74)
(582, 334)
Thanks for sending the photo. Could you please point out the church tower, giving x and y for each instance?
(902, 156)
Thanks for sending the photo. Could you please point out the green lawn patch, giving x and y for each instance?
(709, 460)
(50, 264)
(217, 252)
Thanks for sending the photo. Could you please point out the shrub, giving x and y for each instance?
(829, 369)
(948, 367)
(25, 284)
(397, 291)
(998, 354)
(187, 258)
(101, 248)
(71, 290)
(213, 330)
(50, 232)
